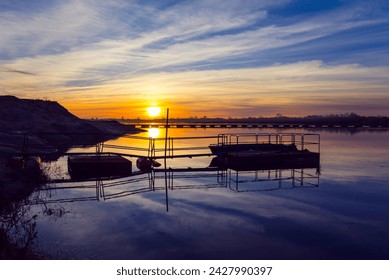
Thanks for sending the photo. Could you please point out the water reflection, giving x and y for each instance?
(224, 214)
(153, 132)
(270, 180)
(174, 179)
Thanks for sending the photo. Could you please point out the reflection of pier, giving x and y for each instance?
(180, 179)
(97, 189)
(269, 180)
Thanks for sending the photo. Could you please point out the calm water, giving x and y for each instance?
(341, 213)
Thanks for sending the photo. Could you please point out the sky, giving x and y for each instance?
(212, 58)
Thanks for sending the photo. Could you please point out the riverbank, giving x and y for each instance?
(39, 127)
(42, 127)
(16, 184)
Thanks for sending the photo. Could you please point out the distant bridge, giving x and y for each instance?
(239, 125)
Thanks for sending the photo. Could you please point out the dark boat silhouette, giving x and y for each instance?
(146, 164)
(98, 166)
(252, 156)
(225, 149)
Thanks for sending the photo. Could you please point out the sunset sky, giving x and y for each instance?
(212, 58)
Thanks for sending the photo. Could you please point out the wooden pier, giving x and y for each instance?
(177, 147)
(156, 149)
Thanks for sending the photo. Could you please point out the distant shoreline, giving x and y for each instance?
(351, 120)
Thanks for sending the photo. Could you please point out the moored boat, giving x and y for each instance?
(265, 161)
(282, 153)
(98, 166)
(223, 149)
(145, 164)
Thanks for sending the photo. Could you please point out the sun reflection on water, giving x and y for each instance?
(153, 132)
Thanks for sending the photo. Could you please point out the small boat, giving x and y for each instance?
(263, 155)
(251, 160)
(98, 166)
(145, 164)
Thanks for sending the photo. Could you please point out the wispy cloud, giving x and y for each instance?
(10, 70)
(53, 30)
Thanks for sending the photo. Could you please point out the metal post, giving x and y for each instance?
(25, 145)
(164, 159)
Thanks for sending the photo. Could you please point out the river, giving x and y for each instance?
(337, 212)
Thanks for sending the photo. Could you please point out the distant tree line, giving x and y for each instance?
(347, 119)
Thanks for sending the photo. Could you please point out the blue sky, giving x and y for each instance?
(206, 57)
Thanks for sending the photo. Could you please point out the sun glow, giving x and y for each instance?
(153, 132)
(153, 111)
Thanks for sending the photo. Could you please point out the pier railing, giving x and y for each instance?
(136, 146)
(25, 144)
(302, 141)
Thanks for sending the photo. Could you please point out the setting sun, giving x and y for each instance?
(153, 111)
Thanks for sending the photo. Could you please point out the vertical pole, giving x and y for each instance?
(166, 135)
(25, 145)
(302, 178)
